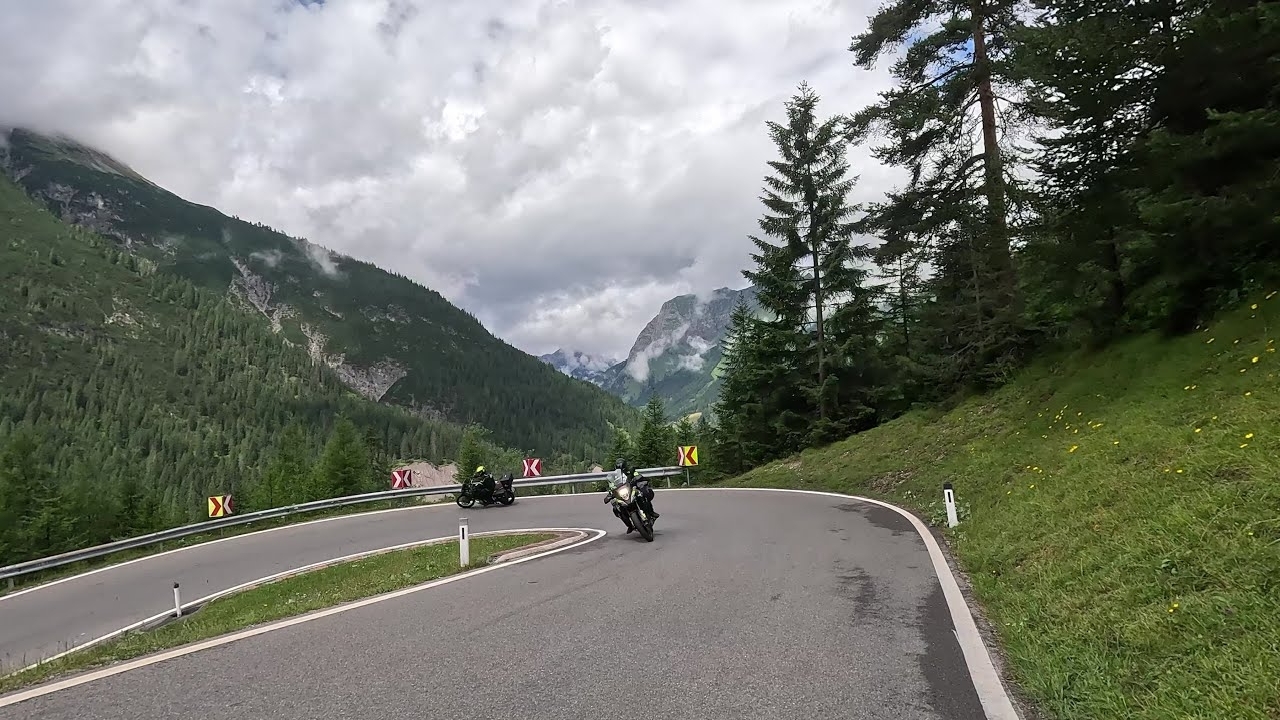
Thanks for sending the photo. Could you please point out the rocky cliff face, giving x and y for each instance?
(677, 354)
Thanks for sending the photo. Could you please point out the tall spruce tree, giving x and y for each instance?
(743, 430)
(344, 466)
(471, 454)
(822, 331)
(285, 480)
(655, 444)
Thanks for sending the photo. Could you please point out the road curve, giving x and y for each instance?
(749, 604)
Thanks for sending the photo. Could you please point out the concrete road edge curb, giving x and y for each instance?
(566, 538)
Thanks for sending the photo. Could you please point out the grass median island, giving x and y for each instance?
(1120, 518)
(289, 597)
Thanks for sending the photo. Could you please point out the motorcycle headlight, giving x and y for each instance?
(623, 492)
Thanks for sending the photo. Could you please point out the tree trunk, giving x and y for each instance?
(994, 178)
(814, 243)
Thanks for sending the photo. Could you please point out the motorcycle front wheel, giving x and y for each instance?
(507, 499)
(646, 530)
(465, 501)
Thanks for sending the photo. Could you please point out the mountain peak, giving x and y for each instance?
(580, 365)
(677, 354)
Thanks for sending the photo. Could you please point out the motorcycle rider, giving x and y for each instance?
(485, 481)
(646, 494)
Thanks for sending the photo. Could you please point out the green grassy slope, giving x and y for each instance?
(1120, 518)
(378, 321)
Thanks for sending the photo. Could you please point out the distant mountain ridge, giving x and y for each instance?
(387, 337)
(677, 355)
(579, 365)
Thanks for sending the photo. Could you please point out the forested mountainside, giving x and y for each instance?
(387, 337)
(129, 395)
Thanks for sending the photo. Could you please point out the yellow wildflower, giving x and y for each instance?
(1073, 448)
(1255, 358)
(1248, 436)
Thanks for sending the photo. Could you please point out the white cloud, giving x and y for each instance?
(558, 167)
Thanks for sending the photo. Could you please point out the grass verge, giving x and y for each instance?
(40, 578)
(284, 598)
(1120, 518)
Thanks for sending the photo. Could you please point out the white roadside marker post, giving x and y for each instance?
(464, 543)
(177, 601)
(949, 497)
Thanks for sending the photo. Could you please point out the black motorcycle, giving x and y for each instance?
(473, 492)
(624, 495)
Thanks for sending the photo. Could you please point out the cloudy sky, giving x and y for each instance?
(558, 167)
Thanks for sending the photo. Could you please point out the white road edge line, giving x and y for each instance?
(38, 691)
(986, 681)
(207, 543)
(272, 578)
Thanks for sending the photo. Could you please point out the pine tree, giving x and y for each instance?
(685, 432)
(957, 201)
(286, 478)
(24, 492)
(822, 328)
(810, 218)
(623, 448)
(743, 430)
(344, 466)
(655, 445)
(471, 454)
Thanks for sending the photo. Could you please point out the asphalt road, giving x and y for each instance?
(746, 605)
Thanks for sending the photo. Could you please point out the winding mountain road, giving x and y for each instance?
(748, 604)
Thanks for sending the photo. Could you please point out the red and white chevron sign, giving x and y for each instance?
(533, 467)
(401, 479)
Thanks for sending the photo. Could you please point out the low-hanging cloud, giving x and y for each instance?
(532, 160)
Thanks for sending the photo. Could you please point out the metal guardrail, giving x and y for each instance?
(31, 566)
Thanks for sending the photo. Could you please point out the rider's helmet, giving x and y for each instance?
(620, 464)
(479, 470)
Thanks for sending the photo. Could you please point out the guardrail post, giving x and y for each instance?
(10, 584)
(177, 601)
(949, 497)
(464, 543)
